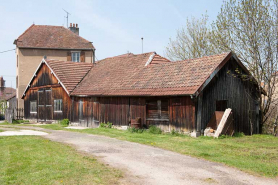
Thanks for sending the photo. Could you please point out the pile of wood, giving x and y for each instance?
(221, 123)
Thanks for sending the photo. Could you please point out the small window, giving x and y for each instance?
(58, 105)
(33, 106)
(75, 56)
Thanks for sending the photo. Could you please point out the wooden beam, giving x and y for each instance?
(45, 86)
(199, 112)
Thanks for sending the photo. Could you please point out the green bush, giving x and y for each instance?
(154, 129)
(135, 130)
(175, 133)
(106, 125)
(64, 122)
(15, 121)
(239, 134)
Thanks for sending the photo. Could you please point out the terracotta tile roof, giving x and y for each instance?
(128, 75)
(69, 73)
(57, 37)
(6, 93)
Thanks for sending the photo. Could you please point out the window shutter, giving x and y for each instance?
(82, 56)
(69, 56)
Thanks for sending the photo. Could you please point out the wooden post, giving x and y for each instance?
(199, 113)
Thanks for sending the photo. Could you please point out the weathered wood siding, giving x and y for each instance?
(44, 89)
(182, 114)
(240, 95)
(100, 109)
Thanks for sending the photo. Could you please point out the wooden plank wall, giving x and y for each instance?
(241, 96)
(44, 80)
(182, 114)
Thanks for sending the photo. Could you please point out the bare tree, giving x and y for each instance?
(192, 41)
(249, 28)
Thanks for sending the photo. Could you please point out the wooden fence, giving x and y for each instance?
(16, 113)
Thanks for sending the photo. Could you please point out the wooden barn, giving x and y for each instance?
(179, 95)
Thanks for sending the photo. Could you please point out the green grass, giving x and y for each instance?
(30, 159)
(1, 130)
(14, 122)
(257, 154)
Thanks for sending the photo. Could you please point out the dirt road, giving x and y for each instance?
(149, 165)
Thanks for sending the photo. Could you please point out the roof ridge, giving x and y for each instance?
(163, 57)
(204, 56)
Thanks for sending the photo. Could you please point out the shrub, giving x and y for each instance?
(239, 134)
(154, 129)
(135, 130)
(64, 122)
(175, 133)
(16, 121)
(106, 125)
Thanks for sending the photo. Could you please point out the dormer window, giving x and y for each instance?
(75, 56)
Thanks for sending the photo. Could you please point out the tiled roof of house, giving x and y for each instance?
(55, 37)
(69, 73)
(135, 75)
(6, 93)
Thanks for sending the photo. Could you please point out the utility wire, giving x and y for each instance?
(7, 51)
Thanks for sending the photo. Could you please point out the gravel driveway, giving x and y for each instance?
(149, 165)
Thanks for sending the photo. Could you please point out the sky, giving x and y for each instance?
(115, 27)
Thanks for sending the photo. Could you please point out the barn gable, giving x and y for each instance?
(51, 72)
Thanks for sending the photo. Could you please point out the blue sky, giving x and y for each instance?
(114, 27)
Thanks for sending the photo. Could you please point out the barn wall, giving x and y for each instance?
(240, 95)
(175, 113)
(45, 81)
(182, 114)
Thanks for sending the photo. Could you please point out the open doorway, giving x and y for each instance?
(221, 105)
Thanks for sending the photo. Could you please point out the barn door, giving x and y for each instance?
(41, 105)
(48, 104)
(44, 105)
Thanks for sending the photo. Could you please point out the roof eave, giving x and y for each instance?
(212, 75)
(87, 49)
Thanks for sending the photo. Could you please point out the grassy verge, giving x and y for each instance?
(257, 154)
(30, 159)
(1, 130)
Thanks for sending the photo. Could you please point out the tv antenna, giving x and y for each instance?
(142, 43)
(67, 17)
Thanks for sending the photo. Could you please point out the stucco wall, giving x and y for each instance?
(28, 61)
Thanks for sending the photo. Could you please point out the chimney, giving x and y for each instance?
(2, 82)
(74, 28)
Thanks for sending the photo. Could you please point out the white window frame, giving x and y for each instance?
(61, 105)
(34, 112)
(75, 56)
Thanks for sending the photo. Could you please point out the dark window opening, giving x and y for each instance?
(157, 109)
(221, 105)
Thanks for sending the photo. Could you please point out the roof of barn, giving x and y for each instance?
(147, 75)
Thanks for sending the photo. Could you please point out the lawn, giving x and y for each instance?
(34, 160)
(257, 154)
